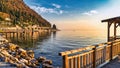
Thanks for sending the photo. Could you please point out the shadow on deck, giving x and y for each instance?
(113, 64)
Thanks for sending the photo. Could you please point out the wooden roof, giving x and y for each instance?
(115, 19)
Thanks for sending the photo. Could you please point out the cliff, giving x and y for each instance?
(17, 12)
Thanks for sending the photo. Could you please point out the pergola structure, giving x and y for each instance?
(116, 22)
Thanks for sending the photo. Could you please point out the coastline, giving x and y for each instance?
(15, 56)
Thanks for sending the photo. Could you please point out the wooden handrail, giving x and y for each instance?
(75, 50)
(90, 56)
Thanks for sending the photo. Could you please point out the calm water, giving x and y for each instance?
(50, 44)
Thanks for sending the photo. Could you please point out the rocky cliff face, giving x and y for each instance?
(20, 13)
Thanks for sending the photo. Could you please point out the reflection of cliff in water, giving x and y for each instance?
(54, 34)
(28, 40)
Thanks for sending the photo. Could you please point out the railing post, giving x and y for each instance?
(65, 61)
(111, 51)
(94, 57)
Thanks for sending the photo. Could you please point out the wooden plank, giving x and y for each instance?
(91, 59)
(94, 58)
(84, 62)
(115, 31)
(108, 34)
(111, 52)
(75, 50)
(65, 61)
(74, 61)
(74, 56)
(78, 62)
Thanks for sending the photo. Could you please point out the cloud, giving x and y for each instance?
(56, 5)
(90, 13)
(41, 9)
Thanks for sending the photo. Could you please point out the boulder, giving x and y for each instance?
(47, 62)
(24, 61)
(31, 53)
(22, 53)
(34, 61)
(41, 59)
(5, 53)
(47, 66)
(12, 47)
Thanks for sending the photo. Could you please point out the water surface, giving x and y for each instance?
(49, 44)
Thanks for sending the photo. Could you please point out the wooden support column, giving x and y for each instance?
(111, 51)
(115, 31)
(65, 61)
(108, 34)
(94, 57)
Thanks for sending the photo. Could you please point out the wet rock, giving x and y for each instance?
(41, 59)
(47, 62)
(24, 61)
(22, 53)
(18, 56)
(12, 47)
(28, 58)
(33, 65)
(47, 66)
(4, 52)
(34, 61)
(21, 65)
(30, 53)
(21, 58)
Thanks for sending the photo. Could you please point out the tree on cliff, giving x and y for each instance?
(18, 11)
(54, 26)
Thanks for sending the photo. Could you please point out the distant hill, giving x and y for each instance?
(19, 13)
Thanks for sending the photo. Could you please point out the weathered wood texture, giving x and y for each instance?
(91, 56)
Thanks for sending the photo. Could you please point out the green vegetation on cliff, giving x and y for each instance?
(17, 12)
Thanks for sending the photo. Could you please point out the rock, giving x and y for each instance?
(14, 59)
(18, 56)
(4, 52)
(33, 65)
(12, 47)
(47, 62)
(34, 61)
(24, 61)
(21, 58)
(10, 61)
(22, 53)
(28, 58)
(1, 55)
(30, 53)
(41, 59)
(21, 65)
(47, 66)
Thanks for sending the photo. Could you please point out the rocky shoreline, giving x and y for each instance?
(20, 58)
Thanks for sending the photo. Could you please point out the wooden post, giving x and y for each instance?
(114, 30)
(78, 62)
(94, 57)
(111, 51)
(108, 34)
(65, 61)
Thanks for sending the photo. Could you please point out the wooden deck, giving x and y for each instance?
(113, 64)
(95, 56)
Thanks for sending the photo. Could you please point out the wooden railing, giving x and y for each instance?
(91, 56)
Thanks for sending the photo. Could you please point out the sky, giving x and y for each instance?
(76, 14)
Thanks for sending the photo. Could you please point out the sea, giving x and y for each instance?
(50, 44)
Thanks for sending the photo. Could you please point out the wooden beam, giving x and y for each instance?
(115, 30)
(111, 19)
(65, 61)
(108, 34)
